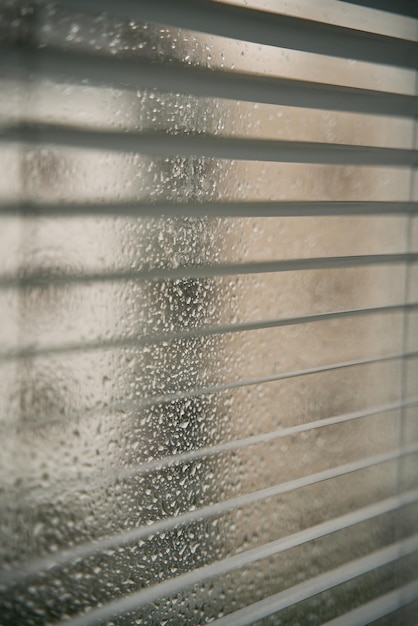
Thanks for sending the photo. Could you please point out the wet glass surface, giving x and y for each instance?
(173, 391)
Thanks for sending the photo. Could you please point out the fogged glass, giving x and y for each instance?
(174, 392)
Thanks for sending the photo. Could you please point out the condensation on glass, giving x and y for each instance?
(208, 350)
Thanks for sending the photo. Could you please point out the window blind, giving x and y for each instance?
(209, 312)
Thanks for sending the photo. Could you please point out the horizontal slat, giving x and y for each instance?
(35, 422)
(403, 7)
(198, 454)
(260, 27)
(207, 512)
(199, 271)
(181, 145)
(329, 12)
(382, 606)
(371, 289)
(267, 379)
(114, 109)
(310, 588)
(249, 614)
(83, 68)
(212, 209)
(30, 352)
